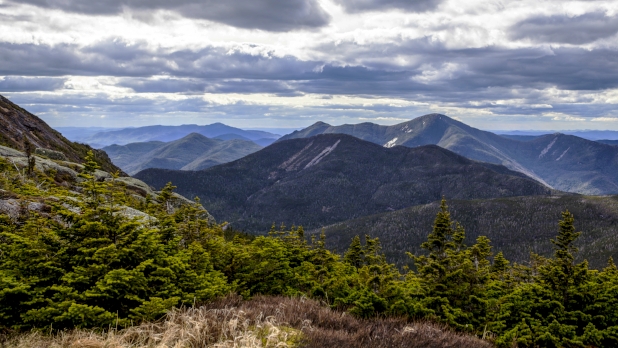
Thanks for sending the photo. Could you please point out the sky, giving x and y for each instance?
(499, 65)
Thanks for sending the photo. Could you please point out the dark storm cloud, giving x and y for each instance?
(577, 30)
(565, 68)
(188, 86)
(485, 67)
(434, 72)
(270, 15)
(119, 58)
(69, 59)
(380, 5)
(101, 103)
(25, 84)
(84, 108)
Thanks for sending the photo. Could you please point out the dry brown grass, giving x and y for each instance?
(261, 322)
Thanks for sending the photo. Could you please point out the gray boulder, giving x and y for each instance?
(51, 154)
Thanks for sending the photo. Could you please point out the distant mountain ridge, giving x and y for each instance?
(586, 134)
(564, 162)
(192, 152)
(335, 177)
(608, 142)
(17, 124)
(171, 133)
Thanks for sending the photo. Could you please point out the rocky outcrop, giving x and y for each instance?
(67, 174)
(51, 154)
(137, 186)
(18, 125)
(132, 213)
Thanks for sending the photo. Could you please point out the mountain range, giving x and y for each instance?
(351, 187)
(586, 134)
(192, 152)
(171, 133)
(563, 162)
(335, 177)
(17, 124)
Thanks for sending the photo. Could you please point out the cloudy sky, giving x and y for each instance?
(521, 64)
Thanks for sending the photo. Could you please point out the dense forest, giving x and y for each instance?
(79, 262)
(515, 225)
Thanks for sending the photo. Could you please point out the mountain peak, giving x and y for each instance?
(435, 117)
(320, 123)
(194, 135)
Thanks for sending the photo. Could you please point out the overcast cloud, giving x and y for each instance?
(380, 5)
(513, 65)
(562, 28)
(272, 15)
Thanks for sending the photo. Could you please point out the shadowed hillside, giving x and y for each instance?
(335, 177)
(516, 226)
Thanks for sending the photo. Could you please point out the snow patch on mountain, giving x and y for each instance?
(391, 143)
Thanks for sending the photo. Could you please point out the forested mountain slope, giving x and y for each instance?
(515, 225)
(336, 177)
(564, 162)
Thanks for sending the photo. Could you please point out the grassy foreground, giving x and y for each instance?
(264, 321)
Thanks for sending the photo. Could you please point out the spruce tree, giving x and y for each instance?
(354, 255)
(561, 273)
(166, 196)
(93, 190)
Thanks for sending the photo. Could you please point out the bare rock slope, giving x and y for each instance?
(17, 124)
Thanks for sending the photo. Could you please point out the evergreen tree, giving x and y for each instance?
(29, 150)
(453, 276)
(93, 189)
(165, 196)
(562, 274)
(354, 255)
